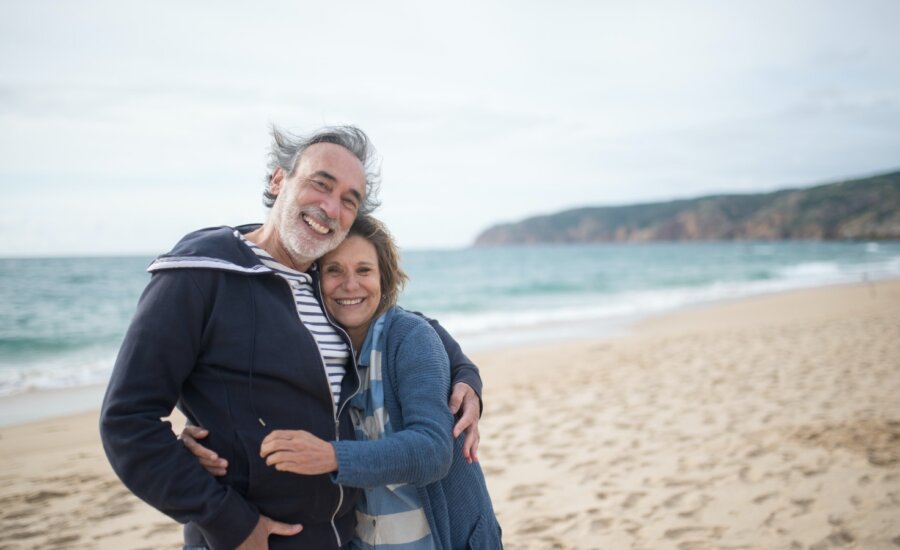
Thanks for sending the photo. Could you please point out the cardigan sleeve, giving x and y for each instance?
(421, 449)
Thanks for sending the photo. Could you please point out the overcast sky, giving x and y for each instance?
(123, 125)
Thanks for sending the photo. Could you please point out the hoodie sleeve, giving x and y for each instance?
(156, 357)
(421, 450)
(462, 369)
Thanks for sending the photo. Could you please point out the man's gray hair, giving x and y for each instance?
(287, 148)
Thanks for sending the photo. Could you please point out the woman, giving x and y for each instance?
(420, 492)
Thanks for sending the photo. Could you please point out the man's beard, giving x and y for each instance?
(301, 246)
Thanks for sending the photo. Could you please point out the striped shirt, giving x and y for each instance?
(388, 517)
(332, 348)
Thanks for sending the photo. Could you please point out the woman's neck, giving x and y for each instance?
(357, 337)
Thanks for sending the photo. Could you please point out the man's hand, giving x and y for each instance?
(299, 452)
(259, 537)
(465, 398)
(213, 464)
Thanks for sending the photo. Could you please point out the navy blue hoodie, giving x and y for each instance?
(217, 333)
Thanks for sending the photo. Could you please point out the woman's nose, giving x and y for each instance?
(350, 283)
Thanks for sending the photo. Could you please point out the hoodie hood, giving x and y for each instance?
(214, 248)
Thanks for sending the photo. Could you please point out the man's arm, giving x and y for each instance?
(465, 398)
(156, 357)
(462, 369)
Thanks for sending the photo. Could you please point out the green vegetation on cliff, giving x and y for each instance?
(861, 209)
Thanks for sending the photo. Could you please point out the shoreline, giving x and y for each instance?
(764, 422)
(48, 403)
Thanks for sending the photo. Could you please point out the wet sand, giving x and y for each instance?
(772, 422)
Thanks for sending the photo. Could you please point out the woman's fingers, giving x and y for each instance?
(207, 458)
(281, 440)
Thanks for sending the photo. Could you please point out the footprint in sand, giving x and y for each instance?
(704, 532)
(837, 539)
(633, 499)
(43, 496)
(526, 491)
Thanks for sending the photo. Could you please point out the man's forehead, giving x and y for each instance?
(334, 162)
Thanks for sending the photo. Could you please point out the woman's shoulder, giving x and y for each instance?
(403, 321)
(411, 331)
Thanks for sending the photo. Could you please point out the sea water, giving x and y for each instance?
(62, 319)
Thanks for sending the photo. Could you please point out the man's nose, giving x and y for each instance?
(331, 205)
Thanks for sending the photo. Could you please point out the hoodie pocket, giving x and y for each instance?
(286, 495)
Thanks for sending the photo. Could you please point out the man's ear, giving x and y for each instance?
(276, 181)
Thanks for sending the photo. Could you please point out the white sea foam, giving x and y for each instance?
(617, 310)
(84, 368)
(534, 318)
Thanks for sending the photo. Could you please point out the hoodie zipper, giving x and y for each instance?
(340, 409)
(336, 410)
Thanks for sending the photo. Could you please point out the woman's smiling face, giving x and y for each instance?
(351, 284)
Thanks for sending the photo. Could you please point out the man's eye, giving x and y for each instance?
(350, 203)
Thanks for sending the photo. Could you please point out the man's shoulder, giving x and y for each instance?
(210, 247)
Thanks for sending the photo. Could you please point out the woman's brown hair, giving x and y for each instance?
(392, 276)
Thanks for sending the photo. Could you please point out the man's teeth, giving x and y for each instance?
(319, 228)
(349, 302)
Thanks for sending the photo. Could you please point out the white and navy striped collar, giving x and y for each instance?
(201, 262)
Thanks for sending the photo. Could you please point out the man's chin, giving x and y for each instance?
(310, 250)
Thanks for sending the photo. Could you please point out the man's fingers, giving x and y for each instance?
(469, 418)
(283, 529)
(456, 398)
(470, 446)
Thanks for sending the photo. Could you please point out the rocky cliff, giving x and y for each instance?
(866, 208)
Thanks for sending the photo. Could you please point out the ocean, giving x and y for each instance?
(62, 319)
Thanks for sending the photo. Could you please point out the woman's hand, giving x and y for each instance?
(464, 397)
(298, 452)
(208, 459)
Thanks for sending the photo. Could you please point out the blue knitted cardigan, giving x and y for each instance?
(421, 450)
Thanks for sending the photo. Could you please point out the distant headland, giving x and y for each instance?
(859, 209)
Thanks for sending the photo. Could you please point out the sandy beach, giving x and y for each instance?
(771, 422)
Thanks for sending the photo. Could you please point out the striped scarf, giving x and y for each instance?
(392, 516)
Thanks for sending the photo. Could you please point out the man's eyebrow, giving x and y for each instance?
(324, 174)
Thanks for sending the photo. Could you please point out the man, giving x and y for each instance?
(231, 329)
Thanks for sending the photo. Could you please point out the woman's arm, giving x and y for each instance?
(421, 450)
(418, 452)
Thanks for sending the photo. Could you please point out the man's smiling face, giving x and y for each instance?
(316, 205)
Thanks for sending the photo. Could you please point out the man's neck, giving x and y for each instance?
(267, 238)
